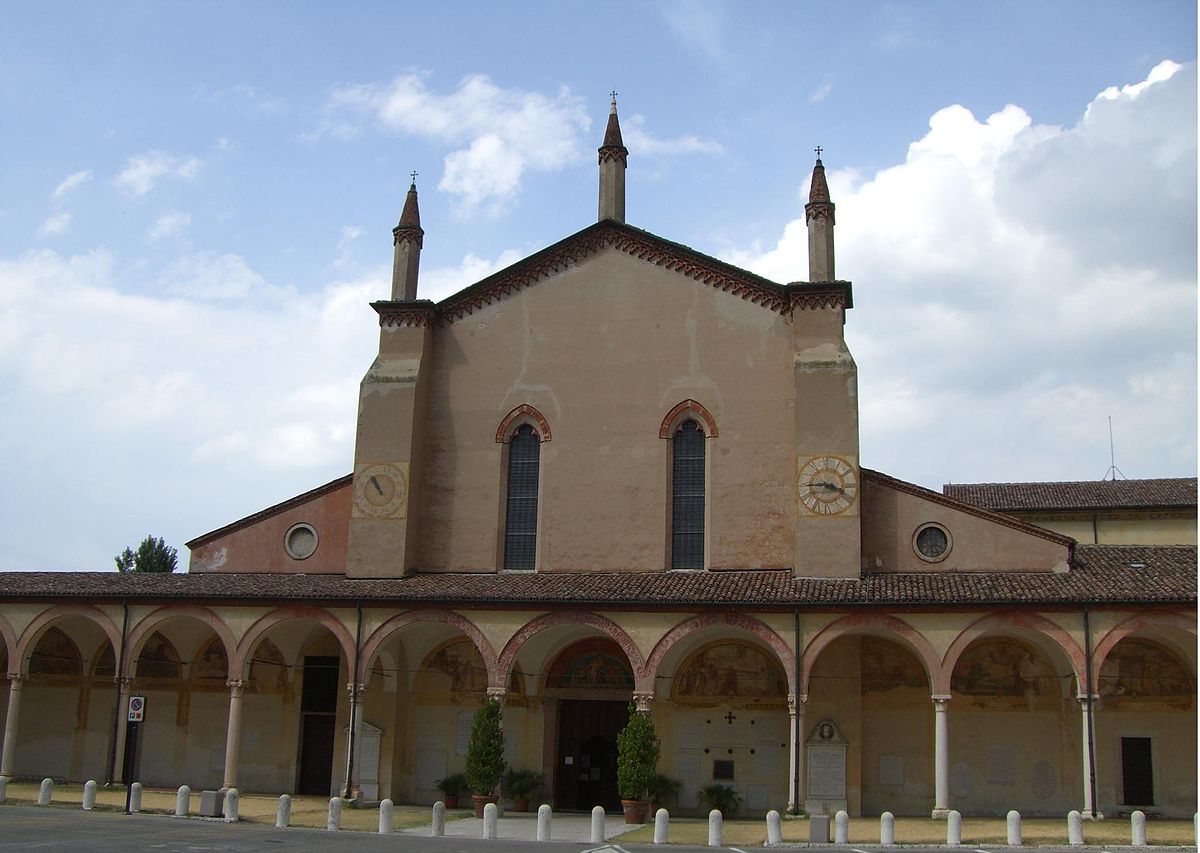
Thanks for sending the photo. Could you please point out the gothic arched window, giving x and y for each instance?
(520, 517)
(687, 496)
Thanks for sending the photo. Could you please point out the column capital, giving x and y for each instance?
(642, 700)
(940, 701)
(123, 682)
(235, 686)
(16, 678)
(796, 703)
(497, 693)
(1084, 698)
(362, 688)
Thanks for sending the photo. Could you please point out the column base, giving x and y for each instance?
(941, 814)
(1091, 815)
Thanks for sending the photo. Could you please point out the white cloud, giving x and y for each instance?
(209, 275)
(1017, 283)
(698, 24)
(56, 224)
(821, 92)
(439, 282)
(71, 182)
(169, 225)
(143, 171)
(641, 143)
(499, 133)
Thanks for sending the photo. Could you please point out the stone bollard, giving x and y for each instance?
(715, 824)
(491, 821)
(597, 836)
(1014, 828)
(89, 795)
(386, 810)
(662, 824)
(46, 792)
(841, 828)
(283, 812)
(1074, 828)
(231, 806)
(439, 820)
(953, 828)
(334, 821)
(3, 788)
(183, 801)
(1195, 817)
(543, 824)
(1137, 822)
(774, 829)
(887, 829)
(135, 798)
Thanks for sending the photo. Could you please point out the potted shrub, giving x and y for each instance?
(659, 789)
(637, 757)
(520, 785)
(485, 755)
(724, 799)
(452, 787)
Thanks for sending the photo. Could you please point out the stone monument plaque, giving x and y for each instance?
(825, 763)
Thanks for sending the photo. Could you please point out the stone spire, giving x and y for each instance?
(408, 237)
(818, 213)
(613, 157)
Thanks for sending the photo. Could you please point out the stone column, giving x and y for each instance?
(124, 686)
(15, 680)
(796, 705)
(941, 758)
(352, 788)
(643, 700)
(1085, 712)
(233, 734)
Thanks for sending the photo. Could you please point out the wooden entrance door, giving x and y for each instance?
(586, 769)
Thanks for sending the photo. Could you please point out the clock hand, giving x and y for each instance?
(375, 483)
(830, 487)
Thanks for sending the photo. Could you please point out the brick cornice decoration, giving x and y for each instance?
(614, 152)
(505, 430)
(710, 423)
(826, 296)
(417, 314)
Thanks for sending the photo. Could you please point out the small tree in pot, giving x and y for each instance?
(520, 785)
(452, 787)
(485, 755)
(637, 757)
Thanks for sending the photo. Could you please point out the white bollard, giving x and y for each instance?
(1137, 822)
(231, 806)
(89, 795)
(334, 821)
(887, 829)
(774, 829)
(1074, 828)
(841, 827)
(135, 797)
(715, 825)
(386, 809)
(954, 828)
(183, 801)
(283, 812)
(662, 824)
(491, 821)
(1014, 828)
(597, 836)
(543, 824)
(46, 792)
(439, 820)
(1195, 817)
(3, 788)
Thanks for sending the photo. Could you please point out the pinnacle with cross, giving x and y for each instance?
(413, 174)
(818, 149)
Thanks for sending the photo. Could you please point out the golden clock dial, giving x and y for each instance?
(380, 490)
(828, 485)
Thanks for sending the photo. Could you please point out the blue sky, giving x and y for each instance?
(196, 201)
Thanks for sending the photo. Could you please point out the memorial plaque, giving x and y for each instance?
(826, 771)
(1002, 765)
(462, 732)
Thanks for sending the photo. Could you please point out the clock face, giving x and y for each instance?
(380, 490)
(828, 485)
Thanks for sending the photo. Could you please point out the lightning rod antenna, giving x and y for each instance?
(1113, 470)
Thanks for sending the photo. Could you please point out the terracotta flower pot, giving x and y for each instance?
(450, 802)
(521, 804)
(480, 801)
(635, 810)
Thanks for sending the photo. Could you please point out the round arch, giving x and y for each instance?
(876, 625)
(46, 618)
(1001, 624)
(447, 617)
(1140, 624)
(154, 620)
(550, 620)
(239, 660)
(10, 638)
(753, 626)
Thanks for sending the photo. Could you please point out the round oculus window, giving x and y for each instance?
(300, 541)
(932, 542)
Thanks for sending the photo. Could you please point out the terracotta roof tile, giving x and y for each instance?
(1102, 574)
(1166, 493)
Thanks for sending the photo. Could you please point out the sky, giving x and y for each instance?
(196, 202)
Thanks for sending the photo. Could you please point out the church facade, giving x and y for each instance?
(621, 474)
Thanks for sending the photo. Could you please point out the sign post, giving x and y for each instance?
(133, 720)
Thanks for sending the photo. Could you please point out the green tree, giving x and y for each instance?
(485, 749)
(152, 555)
(637, 756)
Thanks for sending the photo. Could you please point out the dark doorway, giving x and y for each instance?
(586, 770)
(318, 712)
(1137, 771)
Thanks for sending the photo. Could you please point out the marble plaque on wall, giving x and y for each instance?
(826, 771)
(1002, 765)
(462, 732)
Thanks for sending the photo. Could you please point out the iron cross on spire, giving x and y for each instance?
(414, 176)
(818, 149)
(613, 94)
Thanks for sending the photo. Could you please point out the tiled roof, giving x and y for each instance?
(1166, 493)
(1102, 574)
